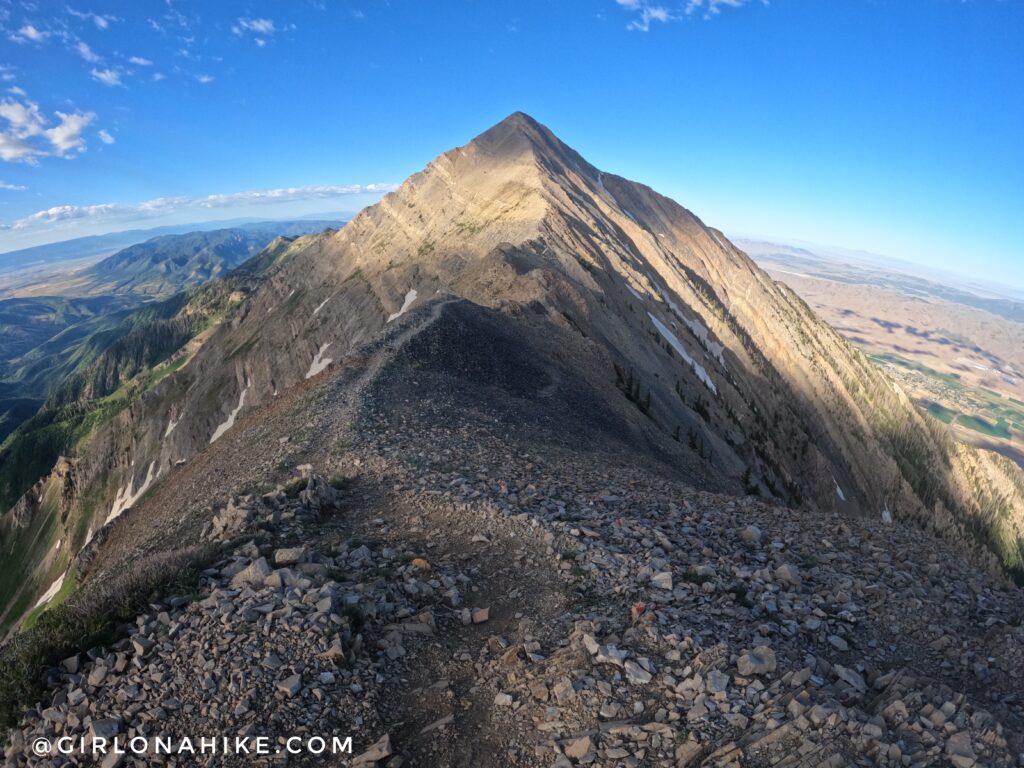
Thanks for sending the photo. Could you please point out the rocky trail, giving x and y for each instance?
(423, 577)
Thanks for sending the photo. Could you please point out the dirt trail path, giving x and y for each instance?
(440, 708)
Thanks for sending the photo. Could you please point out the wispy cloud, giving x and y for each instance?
(254, 26)
(82, 49)
(645, 12)
(29, 34)
(66, 136)
(260, 29)
(109, 77)
(101, 21)
(204, 79)
(105, 136)
(12, 187)
(711, 8)
(163, 206)
(139, 61)
(29, 135)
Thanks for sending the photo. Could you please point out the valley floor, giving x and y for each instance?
(490, 590)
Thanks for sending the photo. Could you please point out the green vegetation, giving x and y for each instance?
(67, 589)
(295, 486)
(87, 619)
(1000, 429)
(629, 384)
(941, 412)
(340, 482)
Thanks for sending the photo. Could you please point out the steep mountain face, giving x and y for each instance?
(46, 338)
(676, 345)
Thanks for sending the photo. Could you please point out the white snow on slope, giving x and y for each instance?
(49, 594)
(410, 297)
(698, 329)
(171, 425)
(231, 416)
(839, 491)
(632, 290)
(319, 362)
(321, 305)
(670, 337)
(126, 497)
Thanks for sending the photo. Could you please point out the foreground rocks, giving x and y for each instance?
(479, 605)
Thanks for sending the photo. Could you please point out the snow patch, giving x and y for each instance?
(319, 362)
(321, 305)
(50, 593)
(839, 491)
(670, 337)
(126, 497)
(171, 425)
(698, 330)
(410, 297)
(632, 290)
(231, 416)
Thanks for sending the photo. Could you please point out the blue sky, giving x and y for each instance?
(892, 126)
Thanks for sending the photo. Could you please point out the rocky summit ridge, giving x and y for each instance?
(605, 494)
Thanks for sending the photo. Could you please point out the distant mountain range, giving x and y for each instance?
(47, 336)
(95, 245)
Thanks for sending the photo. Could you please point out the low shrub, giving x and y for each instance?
(88, 619)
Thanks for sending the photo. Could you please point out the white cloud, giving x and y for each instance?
(66, 136)
(139, 61)
(645, 12)
(105, 137)
(12, 187)
(86, 52)
(101, 22)
(164, 206)
(109, 77)
(28, 136)
(29, 34)
(204, 79)
(254, 26)
(17, 91)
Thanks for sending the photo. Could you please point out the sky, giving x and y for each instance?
(891, 126)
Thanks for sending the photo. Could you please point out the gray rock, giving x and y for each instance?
(254, 575)
(760, 661)
(662, 580)
(289, 556)
(290, 686)
(379, 751)
(788, 574)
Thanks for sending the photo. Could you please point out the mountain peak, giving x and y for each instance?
(520, 135)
